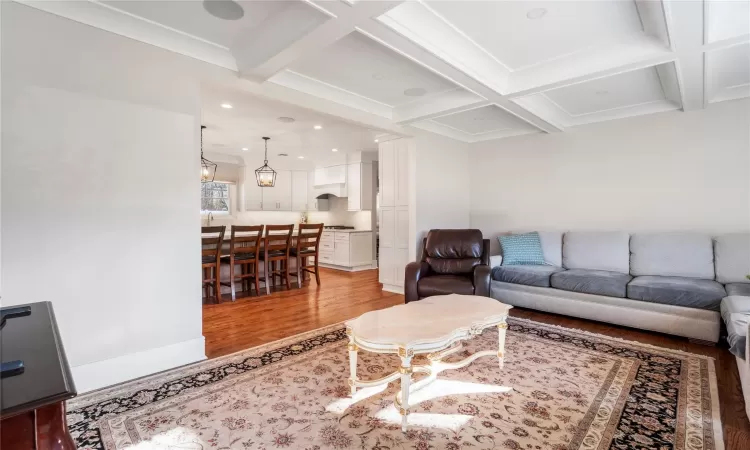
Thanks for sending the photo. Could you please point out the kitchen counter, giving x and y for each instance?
(349, 231)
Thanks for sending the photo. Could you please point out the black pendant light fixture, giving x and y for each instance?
(208, 168)
(265, 175)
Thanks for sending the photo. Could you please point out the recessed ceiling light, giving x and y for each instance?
(301, 157)
(244, 149)
(318, 127)
(376, 140)
(286, 119)
(224, 9)
(415, 92)
(536, 13)
(334, 149)
(226, 106)
(377, 76)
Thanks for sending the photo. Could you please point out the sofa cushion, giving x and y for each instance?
(444, 285)
(732, 308)
(551, 246)
(738, 289)
(528, 275)
(525, 249)
(597, 250)
(732, 254)
(599, 282)
(678, 291)
(688, 255)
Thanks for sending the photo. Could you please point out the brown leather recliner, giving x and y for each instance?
(453, 262)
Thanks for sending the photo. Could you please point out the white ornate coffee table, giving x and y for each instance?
(433, 326)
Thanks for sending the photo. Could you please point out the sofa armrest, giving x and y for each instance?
(414, 271)
(482, 280)
(496, 260)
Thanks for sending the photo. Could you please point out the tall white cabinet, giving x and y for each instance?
(393, 161)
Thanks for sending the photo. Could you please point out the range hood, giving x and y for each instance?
(336, 190)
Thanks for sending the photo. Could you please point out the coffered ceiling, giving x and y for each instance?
(470, 70)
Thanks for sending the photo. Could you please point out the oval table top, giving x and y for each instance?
(428, 321)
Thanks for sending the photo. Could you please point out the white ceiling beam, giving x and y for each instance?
(344, 18)
(686, 27)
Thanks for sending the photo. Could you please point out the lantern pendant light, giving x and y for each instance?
(208, 168)
(265, 175)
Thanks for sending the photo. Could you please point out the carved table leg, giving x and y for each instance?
(353, 365)
(501, 328)
(405, 370)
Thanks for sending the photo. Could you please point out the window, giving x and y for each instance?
(214, 197)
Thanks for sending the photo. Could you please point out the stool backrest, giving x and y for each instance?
(211, 240)
(245, 239)
(308, 237)
(278, 238)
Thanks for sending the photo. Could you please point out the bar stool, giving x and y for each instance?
(276, 245)
(244, 251)
(308, 243)
(211, 240)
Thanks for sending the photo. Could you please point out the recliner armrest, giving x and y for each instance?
(482, 280)
(414, 271)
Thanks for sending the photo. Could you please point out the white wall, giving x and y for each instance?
(100, 193)
(440, 186)
(668, 171)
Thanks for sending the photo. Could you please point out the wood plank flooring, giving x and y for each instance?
(250, 321)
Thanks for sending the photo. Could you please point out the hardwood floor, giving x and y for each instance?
(251, 321)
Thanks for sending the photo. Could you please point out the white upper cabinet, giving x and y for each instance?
(299, 191)
(330, 175)
(279, 197)
(401, 149)
(253, 192)
(360, 186)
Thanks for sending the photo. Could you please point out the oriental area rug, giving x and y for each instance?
(559, 389)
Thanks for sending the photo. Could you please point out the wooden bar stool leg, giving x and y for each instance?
(267, 277)
(231, 277)
(255, 279)
(285, 263)
(317, 273)
(217, 284)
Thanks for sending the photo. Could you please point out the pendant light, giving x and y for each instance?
(208, 168)
(265, 175)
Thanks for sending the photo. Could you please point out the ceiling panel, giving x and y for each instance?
(523, 33)
(360, 65)
(483, 120)
(618, 91)
(729, 72)
(190, 16)
(726, 19)
(250, 118)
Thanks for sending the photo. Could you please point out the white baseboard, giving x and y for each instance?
(347, 269)
(393, 288)
(96, 375)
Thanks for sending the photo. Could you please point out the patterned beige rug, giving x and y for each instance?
(560, 389)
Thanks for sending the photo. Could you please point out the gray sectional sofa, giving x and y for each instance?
(675, 283)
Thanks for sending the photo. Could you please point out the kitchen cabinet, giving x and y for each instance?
(253, 192)
(360, 185)
(394, 221)
(299, 190)
(346, 250)
(279, 197)
(330, 175)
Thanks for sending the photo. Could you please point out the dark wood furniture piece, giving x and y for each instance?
(212, 239)
(307, 246)
(276, 245)
(32, 404)
(244, 251)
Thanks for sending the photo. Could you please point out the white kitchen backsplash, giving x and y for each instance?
(337, 215)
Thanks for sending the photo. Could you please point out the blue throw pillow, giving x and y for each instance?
(522, 249)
